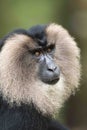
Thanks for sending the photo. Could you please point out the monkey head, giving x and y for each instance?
(40, 66)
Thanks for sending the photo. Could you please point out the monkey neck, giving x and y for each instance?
(27, 117)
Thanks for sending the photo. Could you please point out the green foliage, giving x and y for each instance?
(23, 14)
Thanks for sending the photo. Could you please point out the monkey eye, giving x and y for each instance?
(50, 48)
(37, 53)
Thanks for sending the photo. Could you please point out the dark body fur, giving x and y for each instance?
(25, 117)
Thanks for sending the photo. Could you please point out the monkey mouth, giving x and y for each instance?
(51, 81)
(54, 81)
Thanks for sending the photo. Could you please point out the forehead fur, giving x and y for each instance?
(18, 78)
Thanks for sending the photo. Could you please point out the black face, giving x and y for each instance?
(49, 72)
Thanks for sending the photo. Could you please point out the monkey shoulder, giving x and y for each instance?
(55, 125)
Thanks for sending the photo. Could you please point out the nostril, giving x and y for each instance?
(55, 67)
(52, 68)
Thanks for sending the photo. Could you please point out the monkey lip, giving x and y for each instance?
(52, 81)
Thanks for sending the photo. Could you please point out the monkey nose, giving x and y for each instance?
(52, 67)
(54, 74)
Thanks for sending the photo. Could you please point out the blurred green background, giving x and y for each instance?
(72, 14)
